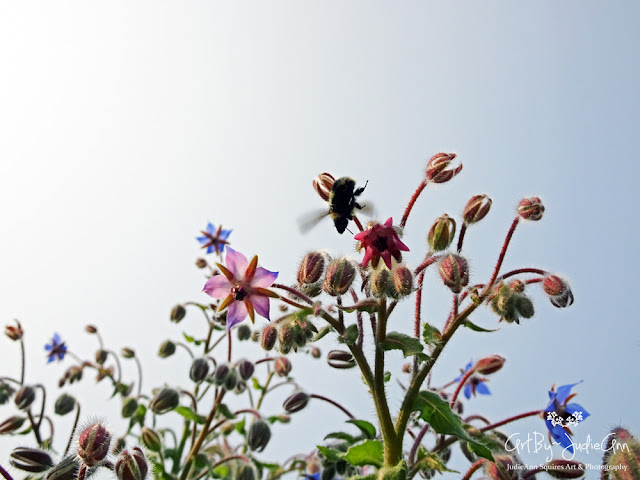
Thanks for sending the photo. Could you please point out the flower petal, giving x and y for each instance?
(236, 313)
(261, 305)
(202, 239)
(574, 407)
(263, 278)
(236, 262)
(217, 287)
(56, 338)
(564, 391)
(224, 234)
(389, 222)
(48, 347)
(210, 228)
(483, 389)
(468, 389)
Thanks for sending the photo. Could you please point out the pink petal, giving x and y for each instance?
(386, 256)
(236, 313)
(399, 245)
(368, 255)
(263, 278)
(217, 287)
(236, 262)
(389, 222)
(360, 236)
(261, 305)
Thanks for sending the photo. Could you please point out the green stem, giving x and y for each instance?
(264, 390)
(73, 430)
(23, 361)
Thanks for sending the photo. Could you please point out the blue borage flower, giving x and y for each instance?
(214, 239)
(560, 413)
(474, 384)
(56, 348)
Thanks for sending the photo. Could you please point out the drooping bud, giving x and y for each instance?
(489, 365)
(14, 333)
(244, 332)
(517, 286)
(282, 366)
(561, 468)
(381, 282)
(24, 397)
(74, 374)
(131, 465)
(11, 424)
(622, 455)
(530, 208)
(178, 313)
(441, 233)
(524, 305)
(199, 370)
(220, 374)
(166, 400)
(93, 444)
(340, 275)
(246, 472)
(340, 359)
(504, 304)
(438, 170)
(323, 184)
(91, 329)
(403, 280)
(476, 209)
(30, 460)
(101, 356)
(558, 290)
(151, 439)
(64, 404)
(311, 268)
(67, 469)
(6, 391)
(268, 337)
(504, 468)
(245, 369)
(232, 380)
(286, 335)
(201, 263)
(258, 436)
(129, 407)
(454, 272)
(128, 352)
(296, 402)
(167, 349)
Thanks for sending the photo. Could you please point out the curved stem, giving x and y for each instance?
(334, 403)
(522, 270)
(222, 337)
(34, 427)
(416, 443)
(139, 365)
(255, 413)
(220, 462)
(429, 260)
(194, 404)
(463, 380)
(73, 430)
(412, 202)
(510, 419)
(115, 357)
(293, 291)
(473, 468)
(23, 362)
(503, 252)
(44, 399)
(5, 474)
(180, 344)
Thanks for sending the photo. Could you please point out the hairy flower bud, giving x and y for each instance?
(178, 313)
(245, 369)
(128, 352)
(232, 380)
(166, 400)
(311, 268)
(622, 455)
(129, 407)
(131, 465)
(504, 468)
(30, 460)
(282, 366)
(381, 282)
(524, 305)
(24, 397)
(340, 359)
(438, 170)
(530, 208)
(101, 356)
(296, 402)
(340, 275)
(504, 303)
(167, 349)
(6, 391)
(489, 365)
(11, 424)
(246, 472)
(201, 263)
(441, 233)
(561, 468)
(323, 184)
(286, 335)
(268, 337)
(220, 374)
(67, 469)
(199, 370)
(258, 436)
(476, 209)
(151, 439)
(244, 332)
(558, 290)
(93, 444)
(74, 374)
(454, 272)
(517, 286)
(64, 404)
(403, 280)
(14, 333)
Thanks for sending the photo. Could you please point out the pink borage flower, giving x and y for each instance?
(381, 241)
(243, 285)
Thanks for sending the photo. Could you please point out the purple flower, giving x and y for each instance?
(214, 239)
(243, 286)
(56, 348)
(474, 384)
(560, 413)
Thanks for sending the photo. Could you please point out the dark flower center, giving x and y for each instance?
(380, 243)
(239, 293)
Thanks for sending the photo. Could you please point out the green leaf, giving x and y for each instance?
(431, 335)
(426, 460)
(350, 335)
(189, 414)
(410, 346)
(370, 452)
(277, 418)
(436, 412)
(476, 328)
(225, 412)
(256, 384)
(387, 376)
(365, 427)
(240, 427)
(190, 339)
(341, 436)
(330, 454)
(322, 333)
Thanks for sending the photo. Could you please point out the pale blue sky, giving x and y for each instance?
(126, 126)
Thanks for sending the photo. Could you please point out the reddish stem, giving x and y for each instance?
(416, 443)
(510, 419)
(5, 474)
(412, 202)
(416, 326)
(463, 380)
(473, 469)
(463, 230)
(293, 291)
(427, 261)
(503, 252)
(358, 224)
(334, 403)
(522, 270)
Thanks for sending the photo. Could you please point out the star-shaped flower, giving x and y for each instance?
(243, 286)
(214, 239)
(56, 348)
(474, 384)
(380, 241)
(560, 406)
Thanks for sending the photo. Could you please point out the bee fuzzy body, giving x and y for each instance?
(343, 203)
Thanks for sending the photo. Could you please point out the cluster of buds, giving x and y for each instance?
(72, 374)
(290, 333)
(558, 290)
(395, 283)
(510, 303)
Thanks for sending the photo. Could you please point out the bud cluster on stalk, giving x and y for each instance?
(291, 332)
(510, 303)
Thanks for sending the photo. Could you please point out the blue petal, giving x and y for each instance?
(315, 476)
(202, 240)
(574, 407)
(469, 365)
(51, 357)
(48, 347)
(559, 435)
(56, 338)
(210, 248)
(210, 228)
(467, 391)
(224, 234)
(564, 391)
(482, 389)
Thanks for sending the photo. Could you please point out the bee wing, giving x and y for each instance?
(367, 209)
(311, 219)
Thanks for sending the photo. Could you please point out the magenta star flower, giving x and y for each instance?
(381, 241)
(243, 285)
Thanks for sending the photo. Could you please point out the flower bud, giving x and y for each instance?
(128, 352)
(284, 418)
(64, 404)
(245, 369)
(177, 313)
(227, 428)
(268, 337)
(323, 184)
(131, 465)
(622, 455)
(340, 359)
(167, 349)
(340, 275)
(286, 334)
(403, 280)
(67, 469)
(91, 329)
(11, 424)
(561, 468)
(24, 397)
(101, 356)
(30, 460)
(476, 209)
(244, 332)
(201, 263)
(504, 468)
(524, 306)
(296, 402)
(558, 290)
(441, 233)
(315, 352)
(504, 304)
(129, 407)
(311, 268)
(151, 439)
(6, 391)
(231, 381)
(93, 444)
(199, 370)
(73, 374)
(14, 333)
(246, 472)
(454, 272)
(380, 282)
(166, 400)
(531, 208)
(517, 286)
(258, 436)
(489, 365)
(220, 374)
(119, 445)
(282, 366)
(437, 168)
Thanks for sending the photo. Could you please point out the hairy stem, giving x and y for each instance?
(334, 403)
(412, 202)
